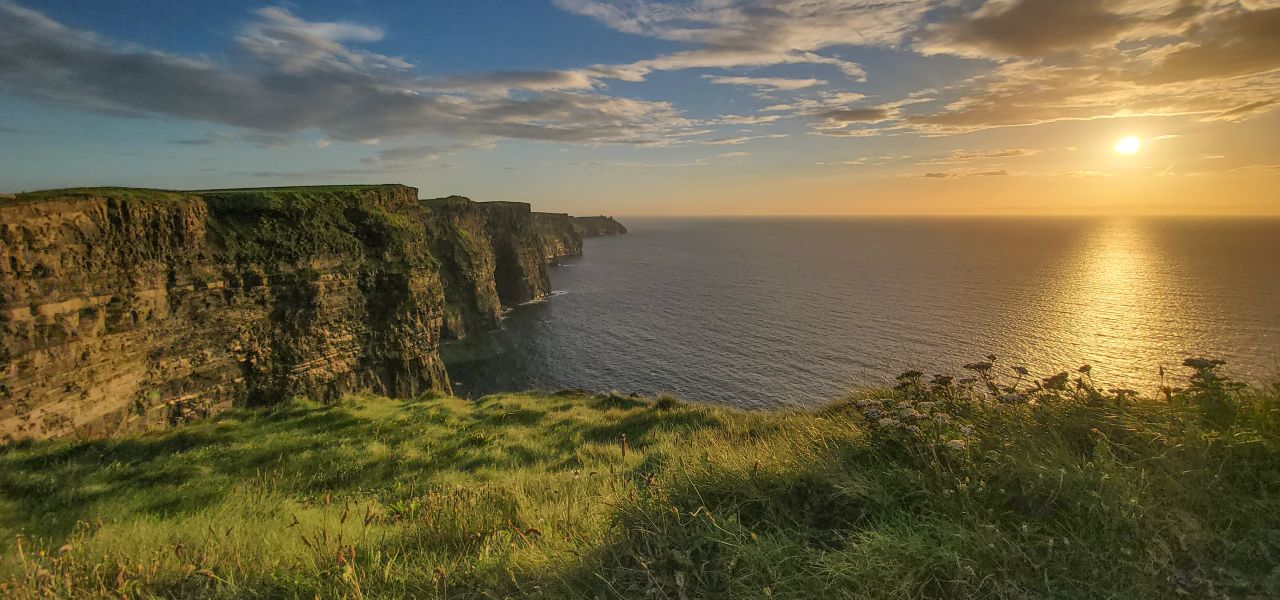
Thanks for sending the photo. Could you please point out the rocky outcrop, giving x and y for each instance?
(122, 309)
(588, 227)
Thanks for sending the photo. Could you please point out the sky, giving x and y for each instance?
(645, 107)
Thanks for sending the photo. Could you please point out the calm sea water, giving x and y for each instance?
(775, 312)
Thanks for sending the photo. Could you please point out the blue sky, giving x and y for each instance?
(648, 107)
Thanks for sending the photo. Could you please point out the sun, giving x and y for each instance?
(1128, 145)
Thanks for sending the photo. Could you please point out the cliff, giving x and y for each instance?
(493, 256)
(597, 226)
(122, 308)
(557, 235)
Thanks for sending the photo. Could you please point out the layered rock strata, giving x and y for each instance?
(122, 309)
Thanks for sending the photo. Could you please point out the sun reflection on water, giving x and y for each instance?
(1113, 300)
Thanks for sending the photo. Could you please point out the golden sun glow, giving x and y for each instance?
(1128, 145)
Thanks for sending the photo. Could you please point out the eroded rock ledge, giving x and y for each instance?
(122, 309)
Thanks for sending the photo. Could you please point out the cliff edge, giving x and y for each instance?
(122, 309)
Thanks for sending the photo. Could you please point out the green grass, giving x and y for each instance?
(101, 192)
(301, 188)
(152, 194)
(976, 489)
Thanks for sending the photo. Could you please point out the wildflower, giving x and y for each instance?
(1122, 393)
(912, 414)
(942, 380)
(981, 367)
(1021, 371)
(956, 444)
(1057, 382)
(1085, 369)
(1203, 363)
(942, 418)
(869, 402)
(888, 422)
(910, 375)
(967, 430)
(1013, 398)
(968, 381)
(873, 413)
(927, 406)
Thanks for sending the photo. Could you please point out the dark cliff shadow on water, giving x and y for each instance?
(501, 360)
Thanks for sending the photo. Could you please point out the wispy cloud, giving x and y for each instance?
(962, 156)
(409, 156)
(774, 83)
(755, 33)
(742, 139)
(289, 75)
(965, 173)
(746, 119)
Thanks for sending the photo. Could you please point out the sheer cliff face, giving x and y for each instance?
(459, 237)
(124, 309)
(557, 235)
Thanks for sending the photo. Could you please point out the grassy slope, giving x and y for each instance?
(925, 491)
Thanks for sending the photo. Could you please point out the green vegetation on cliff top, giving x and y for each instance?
(154, 194)
(100, 192)
(983, 488)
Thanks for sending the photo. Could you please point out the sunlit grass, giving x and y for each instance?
(934, 489)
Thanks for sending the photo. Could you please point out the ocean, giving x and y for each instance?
(795, 312)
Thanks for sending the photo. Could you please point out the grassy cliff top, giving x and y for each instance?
(156, 194)
(934, 489)
(100, 192)
(448, 201)
(301, 189)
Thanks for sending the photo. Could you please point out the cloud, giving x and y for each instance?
(287, 75)
(745, 33)
(261, 140)
(1030, 28)
(504, 81)
(824, 101)
(734, 141)
(734, 154)
(965, 173)
(1099, 59)
(961, 156)
(745, 119)
(775, 83)
(1019, 93)
(859, 115)
(414, 155)
(1238, 43)
(1242, 111)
